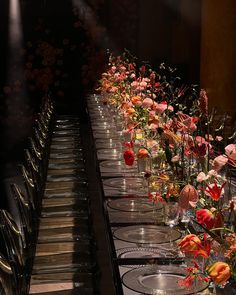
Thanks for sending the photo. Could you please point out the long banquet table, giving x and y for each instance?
(143, 258)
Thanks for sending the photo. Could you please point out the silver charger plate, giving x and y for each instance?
(118, 166)
(124, 183)
(109, 154)
(160, 280)
(133, 205)
(145, 252)
(147, 234)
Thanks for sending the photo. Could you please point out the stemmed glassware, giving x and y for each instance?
(171, 216)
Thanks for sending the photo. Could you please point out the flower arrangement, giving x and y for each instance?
(171, 124)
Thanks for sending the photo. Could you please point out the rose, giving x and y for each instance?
(190, 243)
(129, 157)
(219, 272)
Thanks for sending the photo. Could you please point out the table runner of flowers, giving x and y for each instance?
(171, 125)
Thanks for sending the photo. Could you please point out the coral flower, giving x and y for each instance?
(190, 243)
(129, 157)
(136, 100)
(143, 153)
(219, 272)
(214, 191)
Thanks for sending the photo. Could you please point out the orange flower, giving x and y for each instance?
(143, 153)
(136, 100)
(190, 243)
(219, 272)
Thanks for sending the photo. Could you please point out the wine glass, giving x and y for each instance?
(144, 166)
(171, 216)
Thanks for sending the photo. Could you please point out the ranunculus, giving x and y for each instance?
(143, 153)
(147, 102)
(129, 157)
(219, 162)
(190, 243)
(230, 151)
(219, 272)
(188, 196)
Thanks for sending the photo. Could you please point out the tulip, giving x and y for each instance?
(209, 219)
(214, 191)
(188, 196)
(230, 151)
(219, 162)
(129, 157)
(219, 272)
(190, 243)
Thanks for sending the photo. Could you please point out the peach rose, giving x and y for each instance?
(219, 272)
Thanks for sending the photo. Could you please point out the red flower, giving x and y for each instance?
(205, 217)
(209, 219)
(214, 191)
(129, 157)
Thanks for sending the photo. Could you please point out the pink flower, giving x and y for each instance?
(200, 139)
(202, 177)
(160, 107)
(147, 102)
(153, 126)
(230, 151)
(219, 138)
(175, 159)
(219, 162)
